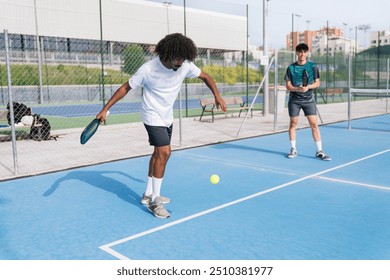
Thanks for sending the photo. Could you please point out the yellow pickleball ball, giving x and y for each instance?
(214, 179)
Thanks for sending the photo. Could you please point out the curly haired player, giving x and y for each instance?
(161, 79)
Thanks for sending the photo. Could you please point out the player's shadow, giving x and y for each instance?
(248, 148)
(260, 150)
(99, 179)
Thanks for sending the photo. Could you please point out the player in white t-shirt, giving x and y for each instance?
(161, 79)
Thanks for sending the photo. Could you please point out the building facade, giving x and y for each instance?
(70, 24)
(380, 38)
(326, 41)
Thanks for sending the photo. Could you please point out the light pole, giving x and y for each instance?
(364, 27)
(308, 34)
(298, 35)
(308, 24)
(167, 4)
(345, 37)
(350, 41)
(292, 31)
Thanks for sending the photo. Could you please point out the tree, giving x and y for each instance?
(134, 57)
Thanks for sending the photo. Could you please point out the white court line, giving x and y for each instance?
(356, 183)
(107, 247)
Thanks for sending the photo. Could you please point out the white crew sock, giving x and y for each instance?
(149, 186)
(156, 187)
(319, 146)
(293, 144)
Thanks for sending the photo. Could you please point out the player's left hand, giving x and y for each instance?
(303, 88)
(221, 104)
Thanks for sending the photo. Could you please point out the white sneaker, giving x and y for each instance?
(146, 199)
(157, 208)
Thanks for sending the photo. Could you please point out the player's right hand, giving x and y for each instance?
(102, 115)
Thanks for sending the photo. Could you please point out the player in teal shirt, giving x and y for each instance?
(302, 77)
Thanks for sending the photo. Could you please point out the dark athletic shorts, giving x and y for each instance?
(159, 135)
(294, 108)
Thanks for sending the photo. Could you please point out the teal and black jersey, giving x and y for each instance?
(294, 74)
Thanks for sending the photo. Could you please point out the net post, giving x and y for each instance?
(257, 93)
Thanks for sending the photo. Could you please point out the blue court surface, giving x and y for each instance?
(265, 207)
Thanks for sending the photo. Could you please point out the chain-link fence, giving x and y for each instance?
(66, 80)
(370, 92)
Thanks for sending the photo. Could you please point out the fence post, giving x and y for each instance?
(11, 107)
(349, 90)
(276, 87)
(387, 85)
(40, 94)
(1, 88)
(101, 51)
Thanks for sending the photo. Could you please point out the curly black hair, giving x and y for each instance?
(175, 46)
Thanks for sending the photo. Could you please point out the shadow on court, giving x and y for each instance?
(100, 180)
(225, 146)
(255, 149)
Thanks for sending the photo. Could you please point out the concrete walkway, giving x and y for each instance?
(115, 142)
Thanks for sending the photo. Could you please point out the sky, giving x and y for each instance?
(315, 14)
